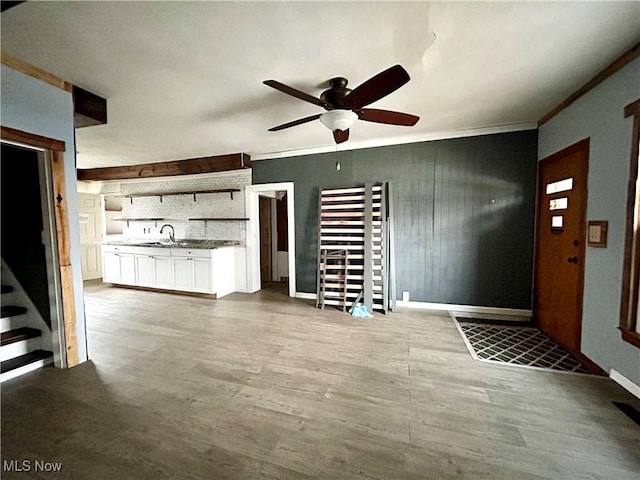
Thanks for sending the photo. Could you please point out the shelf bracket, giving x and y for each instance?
(194, 197)
(128, 220)
(131, 200)
(231, 192)
(160, 199)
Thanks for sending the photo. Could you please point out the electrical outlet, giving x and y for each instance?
(405, 296)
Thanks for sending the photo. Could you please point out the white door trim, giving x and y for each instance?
(253, 233)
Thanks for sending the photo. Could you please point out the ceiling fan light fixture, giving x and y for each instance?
(338, 119)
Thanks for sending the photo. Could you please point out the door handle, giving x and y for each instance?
(573, 260)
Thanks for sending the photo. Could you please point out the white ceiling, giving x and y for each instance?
(184, 79)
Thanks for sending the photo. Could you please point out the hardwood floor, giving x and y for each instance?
(263, 386)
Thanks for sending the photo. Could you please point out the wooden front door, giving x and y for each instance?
(559, 269)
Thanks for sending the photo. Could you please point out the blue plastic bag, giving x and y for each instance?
(359, 311)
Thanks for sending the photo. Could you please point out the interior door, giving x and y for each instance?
(90, 235)
(561, 236)
(265, 240)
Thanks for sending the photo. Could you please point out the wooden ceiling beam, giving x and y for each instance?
(88, 108)
(192, 166)
(21, 66)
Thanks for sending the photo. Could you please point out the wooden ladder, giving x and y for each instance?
(333, 270)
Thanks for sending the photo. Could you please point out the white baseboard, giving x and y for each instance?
(625, 383)
(306, 296)
(466, 309)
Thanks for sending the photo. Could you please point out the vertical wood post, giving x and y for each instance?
(368, 247)
(64, 257)
(319, 294)
(391, 273)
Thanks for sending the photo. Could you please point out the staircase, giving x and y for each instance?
(21, 345)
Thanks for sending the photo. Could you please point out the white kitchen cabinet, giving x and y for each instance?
(192, 274)
(202, 271)
(153, 267)
(118, 265)
(146, 270)
(192, 270)
(182, 273)
(110, 267)
(224, 271)
(127, 268)
(211, 271)
(164, 273)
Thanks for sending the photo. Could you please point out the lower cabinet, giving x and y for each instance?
(119, 267)
(163, 273)
(153, 271)
(209, 271)
(192, 274)
(145, 264)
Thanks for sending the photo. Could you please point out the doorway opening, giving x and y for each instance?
(30, 269)
(274, 261)
(271, 237)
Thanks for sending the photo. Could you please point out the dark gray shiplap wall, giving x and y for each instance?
(464, 213)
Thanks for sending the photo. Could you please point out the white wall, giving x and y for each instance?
(599, 115)
(176, 210)
(36, 107)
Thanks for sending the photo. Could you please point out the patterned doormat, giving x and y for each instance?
(515, 343)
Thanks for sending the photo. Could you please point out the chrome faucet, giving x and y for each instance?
(172, 233)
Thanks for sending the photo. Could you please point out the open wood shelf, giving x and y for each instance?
(230, 191)
(218, 219)
(138, 220)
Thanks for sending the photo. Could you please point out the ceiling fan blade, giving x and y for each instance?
(387, 116)
(377, 87)
(295, 93)
(341, 135)
(300, 121)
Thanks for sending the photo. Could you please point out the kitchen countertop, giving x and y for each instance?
(180, 243)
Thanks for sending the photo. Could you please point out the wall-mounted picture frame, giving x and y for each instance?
(597, 233)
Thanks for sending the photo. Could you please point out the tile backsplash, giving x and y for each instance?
(176, 210)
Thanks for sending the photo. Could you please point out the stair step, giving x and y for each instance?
(12, 311)
(19, 334)
(6, 289)
(24, 360)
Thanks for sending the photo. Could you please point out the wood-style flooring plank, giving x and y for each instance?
(265, 386)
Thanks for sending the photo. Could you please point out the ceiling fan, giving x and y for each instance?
(344, 106)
